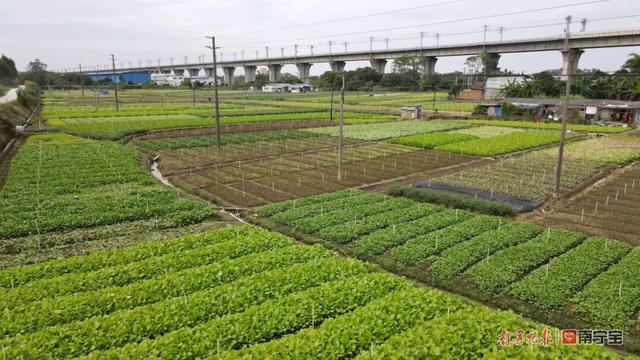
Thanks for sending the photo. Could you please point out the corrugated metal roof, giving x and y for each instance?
(602, 103)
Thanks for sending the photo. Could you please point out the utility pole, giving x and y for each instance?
(330, 43)
(421, 37)
(345, 47)
(565, 116)
(295, 50)
(371, 44)
(484, 36)
(95, 94)
(311, 49)
(341, 131)
(215, 87)
(387, 43)
(501, 30)
(115, 81)
(242, 55)
(267, 51)
(583, 22)
(333, 85)
(81, 81)
(282, 52)
(437, 39)
(193, 89)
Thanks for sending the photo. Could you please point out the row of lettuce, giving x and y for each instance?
(60, 182)
(243, 292)
(553, 269)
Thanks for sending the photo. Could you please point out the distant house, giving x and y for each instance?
(301, 88)
(490, 89)
(476, 92)
(593, 110)
(493, 86)
(136, 77)
(276, 88)
(167, 79)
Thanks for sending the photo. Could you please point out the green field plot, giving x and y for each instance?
(550, 126)
(390, 129)
(250, 294)
(554, 284)
(186, 142)
(74, 112)
(612, 149)
(529, 176)
(502, 144)
(476, 255)
(59, 182)
(431, 140)
(484, 132)
(118, 127)
(612, 298)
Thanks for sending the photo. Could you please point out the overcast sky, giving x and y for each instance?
(66, 33)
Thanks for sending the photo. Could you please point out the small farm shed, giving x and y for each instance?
(476, 92)
(594, 111)
(494, 85)
(411, 111)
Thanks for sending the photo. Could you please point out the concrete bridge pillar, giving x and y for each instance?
(492, 63)
(570, 60)
(274, 72)
(228, 75)
(178, 72)
(208, 72)
(304, 72)
(250, 73)
(378, 65)
(337, 66)
(429, 65)
(193, 72)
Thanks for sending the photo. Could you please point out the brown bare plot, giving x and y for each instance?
(253, 174)
(610, 208)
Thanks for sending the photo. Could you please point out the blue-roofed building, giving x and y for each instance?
(136, 77)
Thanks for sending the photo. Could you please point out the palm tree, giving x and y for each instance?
(633, 63)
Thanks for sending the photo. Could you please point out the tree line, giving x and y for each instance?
(623, 84)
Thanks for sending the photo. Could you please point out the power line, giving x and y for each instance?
(506, 28)
(354, 17)
(453, 21)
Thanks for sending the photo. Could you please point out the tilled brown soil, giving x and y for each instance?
(609, 208)
(249, 175)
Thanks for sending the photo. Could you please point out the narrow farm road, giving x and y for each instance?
(11, 95)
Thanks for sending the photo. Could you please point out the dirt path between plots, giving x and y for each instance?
(233, 128)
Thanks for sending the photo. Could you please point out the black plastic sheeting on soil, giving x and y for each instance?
(520, 205)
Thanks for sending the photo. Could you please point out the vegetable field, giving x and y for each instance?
(486, 257)
(390, 129)
(530, 176)
(550, 126)
(118, 127)
(60, 182)
(610, 208)
(276, 168)
(134, 234)
(238, 292)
